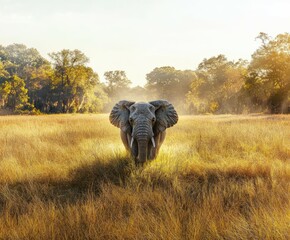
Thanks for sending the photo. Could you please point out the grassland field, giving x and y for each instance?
(216, 177)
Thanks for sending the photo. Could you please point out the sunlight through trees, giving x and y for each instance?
(31, 84)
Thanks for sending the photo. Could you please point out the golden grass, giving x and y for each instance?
(216, 177)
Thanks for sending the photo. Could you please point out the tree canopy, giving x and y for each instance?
(217, 86)
(171, 84)
(268, 81)
(29, 83)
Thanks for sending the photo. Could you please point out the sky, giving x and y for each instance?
(139, 35)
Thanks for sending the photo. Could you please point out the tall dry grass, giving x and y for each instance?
(216, 177)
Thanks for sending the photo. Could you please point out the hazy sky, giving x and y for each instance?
(138, 35)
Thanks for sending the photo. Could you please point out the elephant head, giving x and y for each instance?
(143, 126)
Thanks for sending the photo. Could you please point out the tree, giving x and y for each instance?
(73, 83)
(97, 101)
(268, 81)
(117, 82)
(3, 72)
(27, 64)
(160, 81)
(14, 93)
(22, 59)
(117, 86)
(216, 88)
(171, 84)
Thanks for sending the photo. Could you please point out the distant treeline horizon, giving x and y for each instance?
(31, 84)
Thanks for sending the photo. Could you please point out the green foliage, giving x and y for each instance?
(216, 89)
(23, 59)
(268, 81)
(3, 72)
(67, 85)
(14, 93)
(224, 86)
(171, 84)
(117, 83)
(75, 87)
(18, 61)
(116, 80)
(117, 87)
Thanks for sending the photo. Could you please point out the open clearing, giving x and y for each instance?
(216, 177)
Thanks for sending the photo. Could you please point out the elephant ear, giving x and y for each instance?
(166, 116)
(119, 115)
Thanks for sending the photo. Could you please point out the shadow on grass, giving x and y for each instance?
(235, 188)
(92, 176)
(88, 178)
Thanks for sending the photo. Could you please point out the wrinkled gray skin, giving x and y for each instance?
(143, 126)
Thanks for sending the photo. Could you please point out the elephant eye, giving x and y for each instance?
(153, 120)
(131, 120)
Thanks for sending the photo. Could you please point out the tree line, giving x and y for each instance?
(31, 84)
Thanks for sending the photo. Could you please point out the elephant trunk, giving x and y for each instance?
(142, 134)
(142, 151)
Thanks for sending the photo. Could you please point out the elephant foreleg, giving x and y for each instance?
(162, 138)
(153, 151)
(125, 140)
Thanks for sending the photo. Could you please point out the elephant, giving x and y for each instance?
(143, 126)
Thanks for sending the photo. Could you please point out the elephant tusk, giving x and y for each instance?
(131, 144)
(153, 142)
